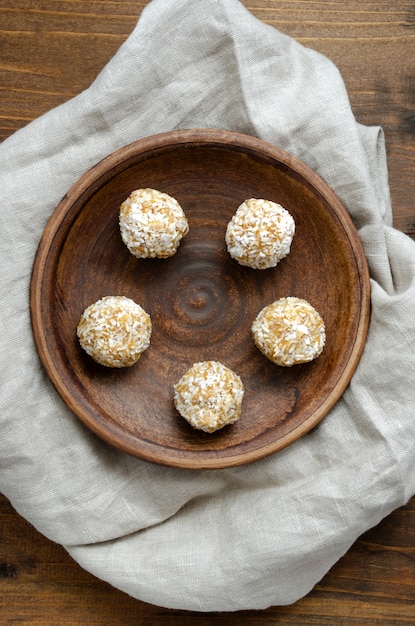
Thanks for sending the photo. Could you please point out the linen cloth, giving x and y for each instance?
(218, 540)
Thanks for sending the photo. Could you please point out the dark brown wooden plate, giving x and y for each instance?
(201, 302)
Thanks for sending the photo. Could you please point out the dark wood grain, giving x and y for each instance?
(372, 585)
(373, 44)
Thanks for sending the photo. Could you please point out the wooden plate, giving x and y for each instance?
(201, 302)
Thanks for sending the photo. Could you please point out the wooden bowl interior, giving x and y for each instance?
(201, 302)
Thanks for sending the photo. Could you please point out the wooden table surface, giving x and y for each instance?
(373, 45)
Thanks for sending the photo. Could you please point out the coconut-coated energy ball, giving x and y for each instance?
(114, 331)
(152, 224)
(260, 233)
(289, 331)
(209, 396)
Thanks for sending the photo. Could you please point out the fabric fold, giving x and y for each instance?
(221, 540)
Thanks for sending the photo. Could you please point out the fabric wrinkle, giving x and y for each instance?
(246, 537)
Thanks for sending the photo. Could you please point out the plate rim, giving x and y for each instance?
(193, 138)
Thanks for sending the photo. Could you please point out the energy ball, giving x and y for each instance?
(209, 396)
(289, 331)
(114, 331)
(260, 233)
(152, 224)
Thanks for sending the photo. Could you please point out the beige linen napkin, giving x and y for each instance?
(223, 540)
